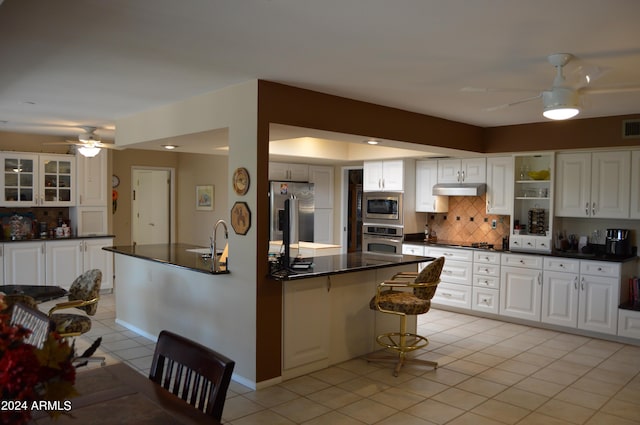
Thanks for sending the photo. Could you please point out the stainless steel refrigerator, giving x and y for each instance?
(281, 191)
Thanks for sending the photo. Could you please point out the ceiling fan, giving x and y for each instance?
(88, 143)
(563, 100)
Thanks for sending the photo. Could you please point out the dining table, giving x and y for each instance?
(40, 293)
(119, 394)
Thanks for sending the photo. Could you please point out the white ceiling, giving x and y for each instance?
(89, 62)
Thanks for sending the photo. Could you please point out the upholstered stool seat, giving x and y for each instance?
(406, 294)
(71, 323)
(84, 294)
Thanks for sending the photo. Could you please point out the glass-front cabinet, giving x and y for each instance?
(531, 226)
(29, 180)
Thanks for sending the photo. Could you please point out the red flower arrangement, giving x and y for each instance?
(29, 375)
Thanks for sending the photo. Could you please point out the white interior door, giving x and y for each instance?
(151, 206)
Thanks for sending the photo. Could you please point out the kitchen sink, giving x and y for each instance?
(200, 250)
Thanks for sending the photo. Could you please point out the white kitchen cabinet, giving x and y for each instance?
(418, 250)
(469, 170)
(629, 323)
(500, 185)
(63, 262)
(635, 185)
(560, 291)
(89, 221)
(66, 260)
(521, 286)
(37, 180)
(456, 277)
(322, 179)
(593, 184)
(387, 175)
(486, 281)
(426, 178)
(279, 171)
(599, 296)
(24, 263)
(93, 184)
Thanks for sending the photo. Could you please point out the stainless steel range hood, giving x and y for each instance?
(459, 189)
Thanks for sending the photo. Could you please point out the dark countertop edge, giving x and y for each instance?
(298, 275)
(116, 250)
(563, 254)
(70, 238)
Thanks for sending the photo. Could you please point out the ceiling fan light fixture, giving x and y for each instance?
(89, 151)
(560, 103)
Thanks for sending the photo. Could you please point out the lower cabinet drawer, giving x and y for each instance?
(628, 323)
(492, 282)
(486, 300)
(452, 294)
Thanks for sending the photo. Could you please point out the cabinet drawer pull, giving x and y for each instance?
(586, 209)
(445, 294)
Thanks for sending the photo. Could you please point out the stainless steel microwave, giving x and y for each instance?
(382, 207)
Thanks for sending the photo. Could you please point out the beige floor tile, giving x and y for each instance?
(364, 386)
(333, 418)
(522, 398)
(304, 385)
(263, 417)
(481, 387)
(300, 410)
(596, 386)
(484, 358)
(435, 411)
(516, 366)
(540, 386)
(630, 411)
(402, 418)
(601, 418)
(239, 406)
(555, 375)
(566, 411)
(334, 397)
(397, 398)
(466, 367)
(334, 375)
(501, 376)
(271, 396)
(459, 398)
(501, 411)
(582, 398)
(423, 387)
(537, 418)
(534, 359)
(547, 351)
(446, 376)
(473, 419)
(367, 411)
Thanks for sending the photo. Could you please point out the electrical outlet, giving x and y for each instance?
(493, 223)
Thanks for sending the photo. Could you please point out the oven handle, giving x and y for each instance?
(382, 238)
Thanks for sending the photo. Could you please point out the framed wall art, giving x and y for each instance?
(204, 198)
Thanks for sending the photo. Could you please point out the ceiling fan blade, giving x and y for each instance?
(496, 90)
(108, 146)
(517, 102)
(611, 89)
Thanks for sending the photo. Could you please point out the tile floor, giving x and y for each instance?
(490, 372)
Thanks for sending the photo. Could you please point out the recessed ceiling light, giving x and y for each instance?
(169, 147)
(371, 142)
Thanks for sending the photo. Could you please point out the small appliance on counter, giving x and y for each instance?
(618, 242)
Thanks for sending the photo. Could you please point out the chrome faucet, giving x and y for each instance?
(215, 261)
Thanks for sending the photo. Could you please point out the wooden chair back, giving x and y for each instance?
(34, 320)
(195, 373)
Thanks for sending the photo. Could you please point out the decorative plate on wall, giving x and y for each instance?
(240, 218)
(241, 181)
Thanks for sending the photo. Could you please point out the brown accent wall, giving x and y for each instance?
(573, 134)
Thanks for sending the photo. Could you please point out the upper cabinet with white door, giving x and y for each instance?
(322, 178)
(469, 170)
(29, 180)
(385, 175)
(500, 185)
(426, 177)
(92, 180)
(280, 171)
(595, 185)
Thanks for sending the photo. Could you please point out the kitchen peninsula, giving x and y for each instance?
(326, 307)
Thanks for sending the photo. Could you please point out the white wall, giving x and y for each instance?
(234, 108)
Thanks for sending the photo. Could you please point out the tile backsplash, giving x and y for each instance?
(467, 221)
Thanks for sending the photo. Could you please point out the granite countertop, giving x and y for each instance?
(597, 255)
(56, 239)
(171, 254)
(345, 263)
